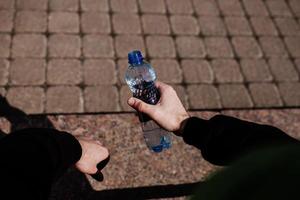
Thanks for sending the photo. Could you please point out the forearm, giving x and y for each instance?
(223, 139)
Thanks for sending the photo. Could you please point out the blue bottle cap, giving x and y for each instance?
(135, 58)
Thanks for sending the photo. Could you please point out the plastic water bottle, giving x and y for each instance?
(140, 77)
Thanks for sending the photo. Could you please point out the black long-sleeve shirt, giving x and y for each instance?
(32, 159)
(223, 139)
(264, 161)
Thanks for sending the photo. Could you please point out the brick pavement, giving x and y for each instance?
(70, 56)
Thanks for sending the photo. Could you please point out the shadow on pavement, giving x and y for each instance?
(150, 192)
(19, 119)
(74, 185)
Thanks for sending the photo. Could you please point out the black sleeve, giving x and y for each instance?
(223, 139)
(31, 159)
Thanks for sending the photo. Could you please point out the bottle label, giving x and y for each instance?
(147, 92)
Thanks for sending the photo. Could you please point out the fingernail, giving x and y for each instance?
(131, 101)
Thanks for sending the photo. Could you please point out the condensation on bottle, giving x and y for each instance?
(140, 77)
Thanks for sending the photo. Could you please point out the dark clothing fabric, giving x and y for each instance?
(264, 161)
(267, 174)
(31, 159)
(223, 139)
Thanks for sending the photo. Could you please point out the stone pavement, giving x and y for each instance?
(69, 56)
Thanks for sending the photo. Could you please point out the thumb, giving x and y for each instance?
(140, 106)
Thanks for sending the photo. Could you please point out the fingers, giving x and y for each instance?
(141, 106)
(104, 153)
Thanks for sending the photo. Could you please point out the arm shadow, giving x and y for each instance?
(19, 119)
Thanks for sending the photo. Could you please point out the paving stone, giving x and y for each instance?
(5, 45)
(101, 99)
(126, 43)
(273, 46)
(63, 22)
(227, 71)
(190, 47)
(99, 72)
(278, 8)
(263, 26)
(122, 66)
(235, 96)
(65, 5)
(6, 17)
(290, 93)
(64, 99)
(293, 46)
(155, 24)
(4, 65)
(95, 22)
(203, 97)
(7, 4)
(28, 99)
(212, 26)
(125, 94)
(22, 45)
(94, 5)
(64, 46)
(255, 8)
(32, 4)
(288, 26)
(206, 7)
(161, 47)
(238, 26)
(218, 47)
(256, 70)
(167, 70)
(152, 6)
(231, 7)
(265, 95)
(19, 69)
(197, 71)
(246, 47)
(125, 6)
(184, 24)
(31, 21)
(64, 72)
(98, 46)
(126, 23)
(295, 6)
(181, 93)
(283, 69)
(179, 7)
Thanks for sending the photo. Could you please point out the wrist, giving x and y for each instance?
(181, 124)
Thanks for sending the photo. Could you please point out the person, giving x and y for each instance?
(32, 159)
(264, 156)
(264, 161)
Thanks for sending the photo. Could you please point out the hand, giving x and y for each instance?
(92, 154)
(169, 112)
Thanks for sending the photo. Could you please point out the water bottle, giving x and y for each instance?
(140, 77)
